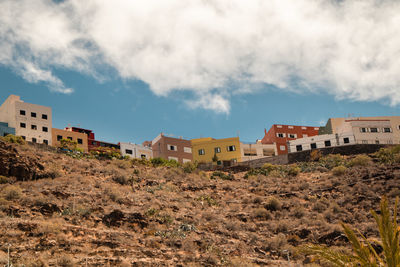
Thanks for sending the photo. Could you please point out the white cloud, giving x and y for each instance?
(215, 49)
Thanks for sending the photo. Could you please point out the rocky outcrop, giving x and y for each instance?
(12, 164)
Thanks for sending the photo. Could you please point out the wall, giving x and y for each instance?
(160, 148)
(74, 135)
(209, 145)
(138, 151)
(319, 141)
(256, 151)
(5, 130)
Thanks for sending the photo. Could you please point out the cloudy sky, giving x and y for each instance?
(129, 69)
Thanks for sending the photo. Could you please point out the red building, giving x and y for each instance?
(280, 134)
(92, 142)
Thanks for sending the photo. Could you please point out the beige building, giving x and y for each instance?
(136, 151)
(369, 134)
(80, 138)
(321, 141)
(257, 150)
(32, 122)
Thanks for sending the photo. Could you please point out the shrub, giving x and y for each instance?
(221, 175)
(261, 213)
(275, 173)
(293, 170)
(10, 138)
(315, 155)
(65, 261)
(163, 162)
(270, 167)
(189, 167)
(273, 204)
(210, 201)
(332, 160)
(12, 192)
(388, 155)
(3, 179)
(106, 153)
(359, 160)
(339, 170)
(122, 179)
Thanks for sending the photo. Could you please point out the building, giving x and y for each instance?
(321, 141)
(367, 130)
(93, 144)
(32, 122)
(280, 134)
(207, 150)
(136, 151)
(250, 151)
(80, 138)
(171, 148)
(5, 130)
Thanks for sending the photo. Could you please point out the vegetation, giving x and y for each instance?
(106, 153)
(10, 138)
(221, 175)
(364, 251)
(359, 160)
(389, 155)
(339, 170)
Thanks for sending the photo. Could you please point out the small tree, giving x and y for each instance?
(215, 158)
(68, 144)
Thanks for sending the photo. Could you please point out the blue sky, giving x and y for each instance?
(131, 69)
(130, 112)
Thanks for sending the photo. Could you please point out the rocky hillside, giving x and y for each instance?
(56, 210)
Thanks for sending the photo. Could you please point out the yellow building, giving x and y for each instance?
(80, 138)
(209, 149)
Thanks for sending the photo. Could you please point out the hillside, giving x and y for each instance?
(66, 211)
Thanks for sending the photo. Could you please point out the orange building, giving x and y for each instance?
(280, 134)
(80, 138)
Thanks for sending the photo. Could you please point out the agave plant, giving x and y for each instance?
(364, 254)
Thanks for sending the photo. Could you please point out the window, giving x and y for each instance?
(278, 126)
(390, 141)
(299, 148)
(305, 135)
(94, 143)
(33, 114)
(217, 150)
(304, 128)
(202, 152)
(34, 140)
(80, 141)
(292, 136)
(128, 151)
(364, 142)
(373, 130)
(59, 137)
(186, 160)
(23, 137)
(187, 149)
(363, 130)
(328, 143)
(69, 137)
(22, 125)
(387, 130)
(22, 112)
(282, 148)
(231, 148)
(173, 158)
(346, 140)
(44, 116)
(45, 142)
(290, 127)
(172, 147)
(33, 127)
(316, 128)
(313, 145)
(377, 142)
(281, 135)
(45, 129)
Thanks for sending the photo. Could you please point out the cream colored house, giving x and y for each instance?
(257, 150)
(32, 122)
(136, 151)
(321, 141)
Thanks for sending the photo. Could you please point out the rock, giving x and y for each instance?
(115, 218)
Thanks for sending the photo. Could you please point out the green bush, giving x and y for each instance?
(273, 204)
(270, 167)
(189, 167)
(389, 155)
(221, 175)
(3, 179)
(339, 170)
(164, 162)
(360, 160)
(293, 170)
(106, 153)
(10, 138)
(332, 160)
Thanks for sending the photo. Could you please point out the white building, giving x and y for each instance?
(136, 151)
(321, 141)
(32, 122)
(257, 150)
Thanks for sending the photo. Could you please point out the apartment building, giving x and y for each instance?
(250, 151)
(172, 148)
(136, 151)
(80, 138)
(32, 122)
(321, 141)
(93, 144)
(280, 134)
(207, 150)
(5, 130)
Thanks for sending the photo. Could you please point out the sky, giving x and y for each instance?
(131, 69)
